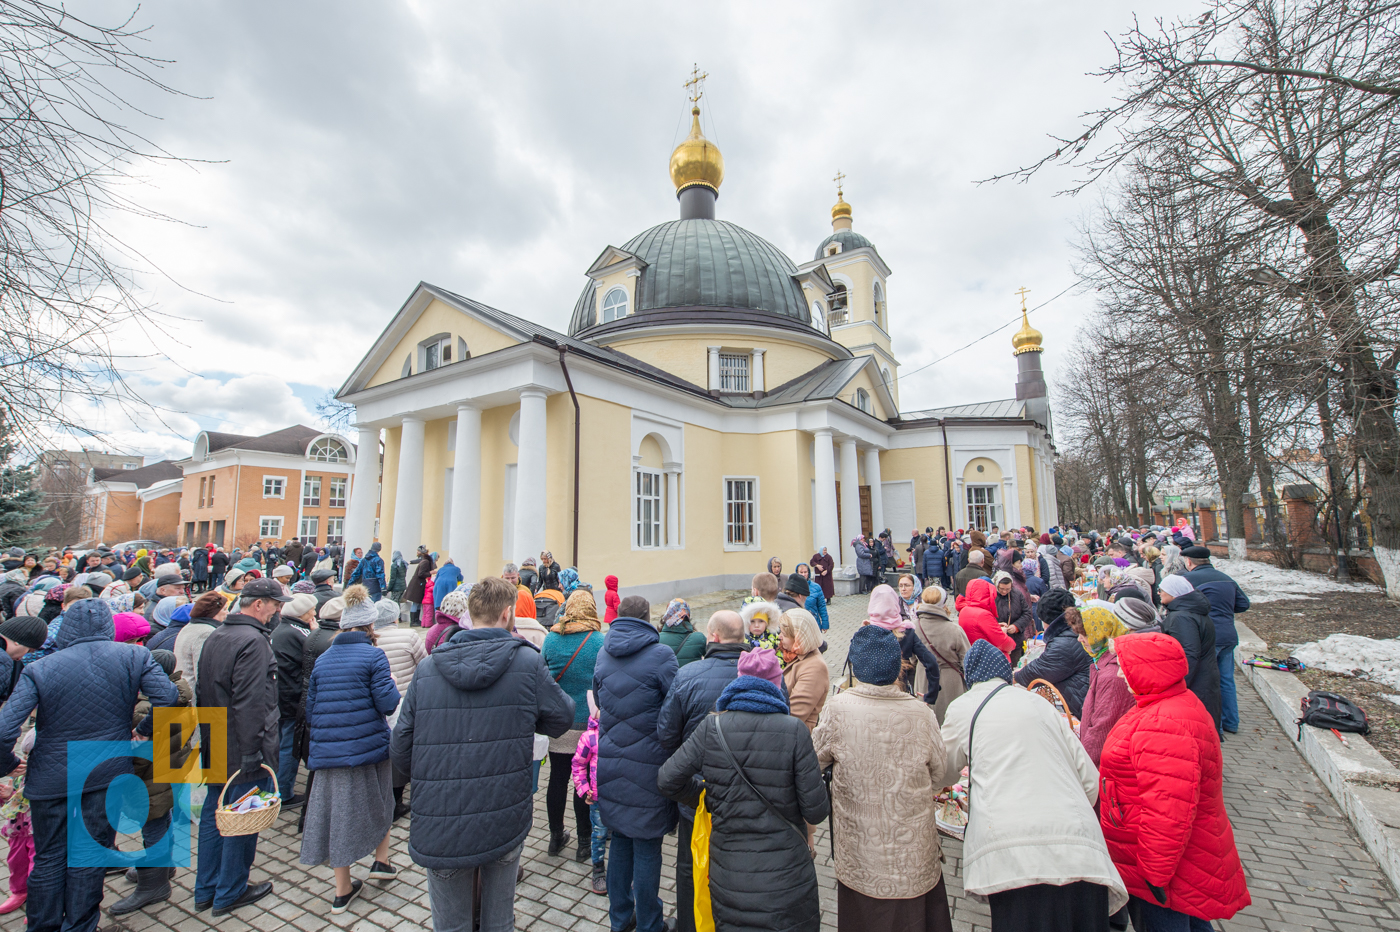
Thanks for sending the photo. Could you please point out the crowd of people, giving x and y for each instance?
(1058, 698)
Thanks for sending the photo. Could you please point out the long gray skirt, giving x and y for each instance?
(348, 814)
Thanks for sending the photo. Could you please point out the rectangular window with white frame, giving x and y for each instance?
(337, 493)
(648, 509)
(274, 487)
(335, 530)
(311, 490)
(309, 527)
(270, 526)
(734, 372)
(741, 514)
(982, 508)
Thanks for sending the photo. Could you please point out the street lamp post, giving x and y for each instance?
(1329, 453)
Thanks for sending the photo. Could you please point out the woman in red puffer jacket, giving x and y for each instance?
(1160, 800)
(977, 616)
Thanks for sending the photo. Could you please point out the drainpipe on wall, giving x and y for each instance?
(947, 474)
(577, 418)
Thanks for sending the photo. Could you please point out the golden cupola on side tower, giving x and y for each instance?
(1027, 339)
(697, 161)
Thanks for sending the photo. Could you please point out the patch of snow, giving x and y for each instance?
(1378, 661)
(1391, 698)
(1264, 582)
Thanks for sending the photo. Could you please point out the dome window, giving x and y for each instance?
(833, 249)
(328, 450)
(863, 400)
(615, 305)
(818, 317)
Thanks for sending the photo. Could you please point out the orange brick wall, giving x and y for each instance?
(243, 522)
(123, 521)
(160, 519)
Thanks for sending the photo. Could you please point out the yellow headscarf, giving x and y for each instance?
(580, 614)
(141, 553)
(1100, 626)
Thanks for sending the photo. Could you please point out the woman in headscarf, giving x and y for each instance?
(884, 611)
(889, 867)
(816, 597)
(948, 643)
(1108, 698)
(453, 615)
(775, 566)
(1172, 563)
(1063, 663)
(822, 565)
(1051, 553)
(398, 576)
(680, 635)
(571, 651)
(762, 786)
(1013, 613)
(909, 591)
(1033, 845)
(1036, 585)
(568, 581)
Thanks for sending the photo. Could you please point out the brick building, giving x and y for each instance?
(127, 504)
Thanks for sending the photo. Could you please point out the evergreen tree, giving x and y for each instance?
(21, 503)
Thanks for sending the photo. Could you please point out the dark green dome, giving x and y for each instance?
(708, 264)
(849, 239)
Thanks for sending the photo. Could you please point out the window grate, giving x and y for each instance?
(733, 372)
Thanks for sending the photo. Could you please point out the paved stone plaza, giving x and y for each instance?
(1307, 870)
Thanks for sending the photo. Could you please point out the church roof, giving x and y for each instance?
(849, 239)
(703, 263)
(1007, 407)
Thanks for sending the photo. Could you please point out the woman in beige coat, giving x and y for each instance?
(887, 761)
(948, 642)
(805, 673)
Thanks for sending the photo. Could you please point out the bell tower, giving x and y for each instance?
(1030, 378)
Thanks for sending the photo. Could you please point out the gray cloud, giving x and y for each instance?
(495, 149)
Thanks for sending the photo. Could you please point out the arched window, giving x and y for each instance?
(879, 296)
(615, 304)
(328, 450)
(818, 317)
(863, 400)
(886, 374)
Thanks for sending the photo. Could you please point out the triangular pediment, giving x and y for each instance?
(611, 259)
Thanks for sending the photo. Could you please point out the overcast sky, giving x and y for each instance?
(350, 150)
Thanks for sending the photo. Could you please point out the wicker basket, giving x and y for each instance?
(232, 823)
(1047, 691)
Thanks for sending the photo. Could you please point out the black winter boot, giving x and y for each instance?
(557, 842)
(152, 886)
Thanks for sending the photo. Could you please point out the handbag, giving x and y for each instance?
(734, 762)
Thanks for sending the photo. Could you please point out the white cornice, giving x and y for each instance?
(807, 336)
(848, 257)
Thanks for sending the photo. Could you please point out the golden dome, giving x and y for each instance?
(697, 161)
(1027, 339)
(841, 208)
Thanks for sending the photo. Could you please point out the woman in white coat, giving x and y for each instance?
(1033, 846)
(405, 650)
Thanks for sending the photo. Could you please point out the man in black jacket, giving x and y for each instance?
(465, 737)
(324, 591)
(238, 673)
(289, 647)
(692, 697)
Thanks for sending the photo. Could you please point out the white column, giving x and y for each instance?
(850, 501)
(530, 491)
(673, 504)
(463, 546)
(364, 491)
(758, 370)
(877, 494)
(714, 369)
(824, 511)
(408, 496)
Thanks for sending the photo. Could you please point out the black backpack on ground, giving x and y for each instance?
(1329, 710)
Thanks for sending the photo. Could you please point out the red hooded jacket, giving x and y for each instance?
(610, 599)
(1160, 799)
(977, 615)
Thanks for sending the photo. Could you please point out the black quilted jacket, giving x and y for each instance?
(84, 691)
(237, 672)
(761, 871)
(466, 737)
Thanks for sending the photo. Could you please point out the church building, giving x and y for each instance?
(713, 404)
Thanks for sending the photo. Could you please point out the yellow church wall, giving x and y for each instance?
(688, 357)
(393, 438)
(990, 474)
(436, 458)
(863, 380)
(496, 452)
(1025, 487)
(926, 468)
(439, 318)
(559, 480)
(785, 361)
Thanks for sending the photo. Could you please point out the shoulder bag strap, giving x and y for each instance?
(724, 746)
(971, 729)
(560, 675)
(941, 659)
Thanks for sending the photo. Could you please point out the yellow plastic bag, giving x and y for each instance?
(700, 867)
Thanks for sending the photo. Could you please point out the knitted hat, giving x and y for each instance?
(166, 660)
(984, 662)
(129, 627)
(233, 576)
(762, 663)
(1176, 586)
(333, 608)
(1135, 613)
(301, 603)
(359, 610)
(875, 655)
(26, 630)
(283, 570)
(798, 584)
(304, 585)
(388, 613)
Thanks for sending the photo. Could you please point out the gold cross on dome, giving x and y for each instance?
(1023, 292)
(840, 177)
(696, 84)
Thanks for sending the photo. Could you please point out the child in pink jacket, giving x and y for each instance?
(586, 783)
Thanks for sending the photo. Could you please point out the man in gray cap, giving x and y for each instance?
(324, 591)
(170, 584)
(237, 672)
